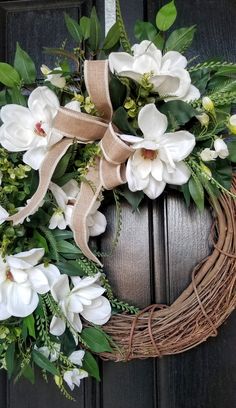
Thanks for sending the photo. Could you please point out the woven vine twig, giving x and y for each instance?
(197, 313)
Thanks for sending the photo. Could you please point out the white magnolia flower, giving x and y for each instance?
(208, 154)
(65, 197)
(3, 215)
(56, 78)
(84, 299)
(73, 377)
(31, 129)
(158, 157)
(167, 73)
(21, 280)
(221, 148)
(52, 354)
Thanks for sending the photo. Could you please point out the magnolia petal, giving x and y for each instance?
(34, 157)
(73, 105)
(25, 260)
(59, 195)
(57, 326)
(192, 94)
(51, 272)
(148, 48)
(134, 183)
(43, 103)
(179, 176)
(61, 289)
(76, 323)
(19, 275)
(176, 85)
(178, 144)
(152, 123)
(154, 188)
(74, 304)
(157, 169)
(99, 224)
(145, 63)
(38, 280)
(99, 312)
(18, 114)
(143, 169)
(91, 292)
(68, 379)
(3, 215)
(71, 189)
(120, 61)
(4, 314)
(21, 301)
(16, 138)
(77, 357)
(130, 138)
(172, 60)
(84, 282)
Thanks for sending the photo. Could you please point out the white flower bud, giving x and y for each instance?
(221, 148)
(56, 79)
(45, 70)
(208, 154)
(203, 119)
(206, 171)
(207, 104)
(232, 124)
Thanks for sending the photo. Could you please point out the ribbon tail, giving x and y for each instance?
(45, 174)
(89, 192)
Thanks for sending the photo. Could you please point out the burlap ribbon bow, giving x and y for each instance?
(108, 172)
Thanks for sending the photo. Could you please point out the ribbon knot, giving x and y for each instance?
(108, 171)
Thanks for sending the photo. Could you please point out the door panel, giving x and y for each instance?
(157, 249)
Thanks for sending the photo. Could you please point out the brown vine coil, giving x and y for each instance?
(197, 313)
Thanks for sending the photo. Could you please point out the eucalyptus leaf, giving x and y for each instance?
(180, 39)
(70, 268)
(62, 165)
(17, 97)
(85, 27)
(118, 92)
(29, 323)
(166, 16)
(133, 198)
(62, 234)
(90, 365)
(196, 191)
(95, 31)
(44, 363)
(8, 75)
(28, 373)
(66, 247)
(96, 340)
(112, 37)
(73, 27)
(24, 65)
(41, 241)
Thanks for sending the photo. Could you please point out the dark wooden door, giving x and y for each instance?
(158, 247)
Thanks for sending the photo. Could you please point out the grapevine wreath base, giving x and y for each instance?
(197, 313)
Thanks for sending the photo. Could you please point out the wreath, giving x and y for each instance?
(108, 124)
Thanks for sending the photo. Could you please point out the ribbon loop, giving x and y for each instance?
(114, 149)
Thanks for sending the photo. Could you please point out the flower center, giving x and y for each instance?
(9, 276)
(39, 130)
(149, 154)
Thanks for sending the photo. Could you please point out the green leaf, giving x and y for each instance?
(29, 323)
(185, 190)
(85, 27)
(65, 247)
(144, 31)
(196, 191)
(112, 37)
(24, 65)
(95, 31)
(166, 16)
(62, 165)
(178, 111)
(159, 41)
(180, 39)
(232, 150)
(73, 28)
(222, 172)
(3, 100)
(8, 75)
(42, 242)
(120, 119)
(44, 363)
(62, 234)
(10, 359)
(28, 373)
(17, 97)
(96, 340)
(70, 268)
(118, 92)
(90, 365)
(134, 199)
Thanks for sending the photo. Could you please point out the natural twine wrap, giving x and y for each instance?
(210, 298)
